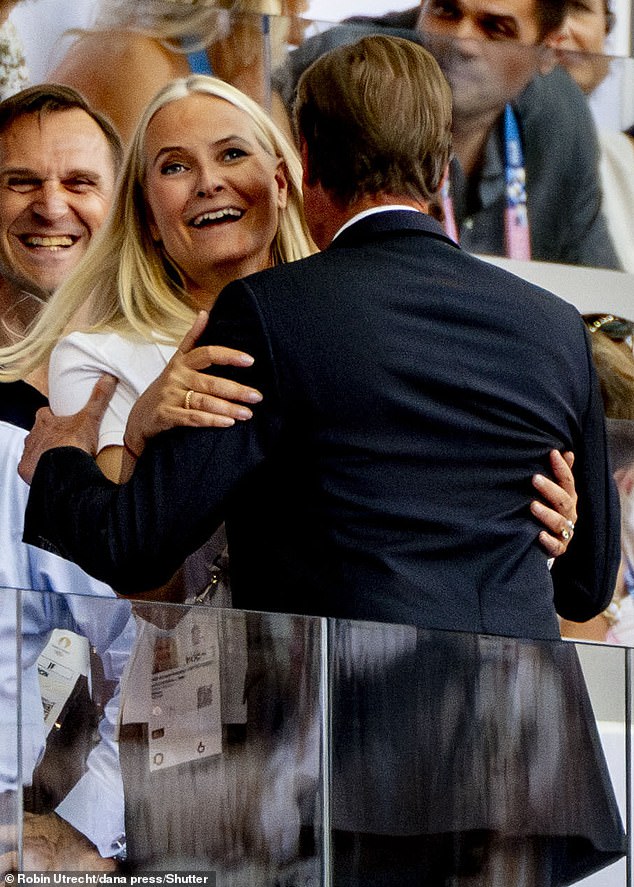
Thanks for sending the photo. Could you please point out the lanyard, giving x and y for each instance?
(516, 233)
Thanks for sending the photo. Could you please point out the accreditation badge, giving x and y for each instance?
(64, 659)
(185, 711)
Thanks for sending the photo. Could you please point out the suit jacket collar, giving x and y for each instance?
(389, 222)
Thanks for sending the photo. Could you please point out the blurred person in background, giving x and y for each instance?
(611, 338)
(523, 137)
(581, 50)
(137, 47)
(14, 74)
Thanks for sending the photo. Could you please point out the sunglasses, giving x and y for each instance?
(616, 328)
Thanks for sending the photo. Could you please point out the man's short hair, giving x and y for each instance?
(375, 117)
(550, 15)
(50, 98)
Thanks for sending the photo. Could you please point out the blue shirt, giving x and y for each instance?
(57, 594)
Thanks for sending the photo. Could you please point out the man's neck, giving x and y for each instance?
(469, 139)
(336, 216)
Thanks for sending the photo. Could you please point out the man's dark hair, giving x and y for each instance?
(51, 98)
(550, 15)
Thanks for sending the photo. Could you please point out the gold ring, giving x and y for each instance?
(188, 400)
(565, 534)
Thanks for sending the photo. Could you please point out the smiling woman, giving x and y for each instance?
(211, 191)
(214, 193)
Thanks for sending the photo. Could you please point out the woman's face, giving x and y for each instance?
(213, 192)
(584, 33)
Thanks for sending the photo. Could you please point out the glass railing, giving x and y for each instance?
(267, 749)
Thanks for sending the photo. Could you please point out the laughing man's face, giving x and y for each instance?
(56, 184)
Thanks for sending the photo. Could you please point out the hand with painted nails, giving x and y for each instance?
(557, 507)
(184, 395)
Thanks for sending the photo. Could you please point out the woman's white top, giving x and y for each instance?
(80, 359)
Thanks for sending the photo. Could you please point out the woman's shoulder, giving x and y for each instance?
(94, 343)
(126, 356)
(94, 49)
(106, 343)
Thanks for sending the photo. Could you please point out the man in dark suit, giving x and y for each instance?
(410, 391)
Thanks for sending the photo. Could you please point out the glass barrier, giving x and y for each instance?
(265, 749)
(178, 739)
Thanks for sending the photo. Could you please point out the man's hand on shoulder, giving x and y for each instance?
(80, 430)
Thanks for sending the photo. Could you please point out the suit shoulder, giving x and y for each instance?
(270, 279)
(517, 290)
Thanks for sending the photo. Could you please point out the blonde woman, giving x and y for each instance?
(210, 191)
(137, 47)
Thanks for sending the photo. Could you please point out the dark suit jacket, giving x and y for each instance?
(410, 392)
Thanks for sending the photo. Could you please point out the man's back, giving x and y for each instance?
(419, 390)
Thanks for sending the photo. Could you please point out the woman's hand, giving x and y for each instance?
(184, 396)
(560, 519)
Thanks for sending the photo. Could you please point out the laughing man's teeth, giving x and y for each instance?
(51, 242)
(230, 212)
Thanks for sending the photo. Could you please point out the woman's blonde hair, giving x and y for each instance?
(195, 24)
(611, 340)
(125, 281)
(183, 26)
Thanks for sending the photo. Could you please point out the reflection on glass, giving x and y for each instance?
(164, 737)
(465, 760)
(473, 758)
(219, 743)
